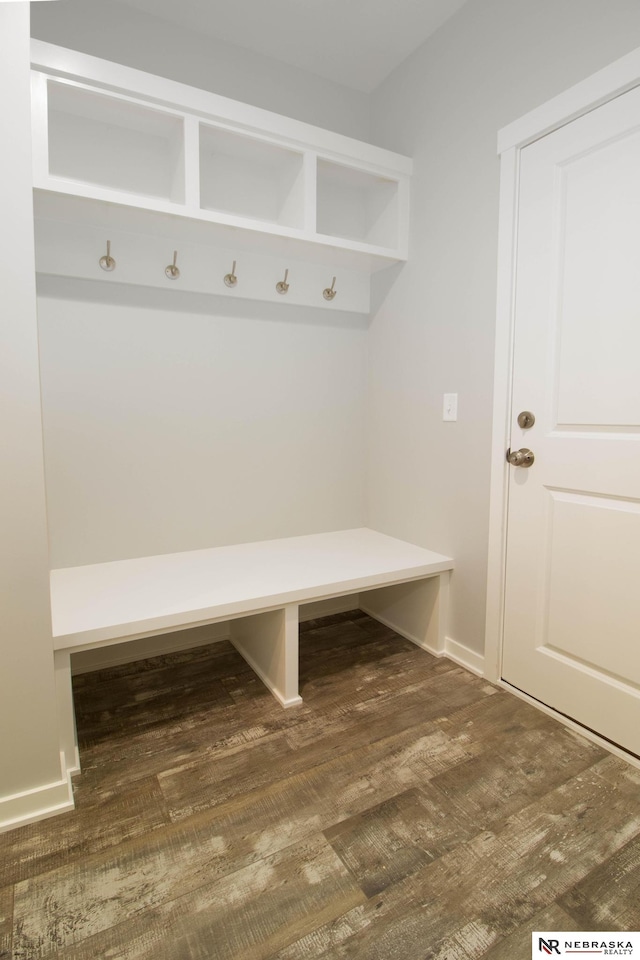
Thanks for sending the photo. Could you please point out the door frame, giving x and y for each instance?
(618, 78)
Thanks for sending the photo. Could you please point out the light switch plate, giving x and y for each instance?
(450, 406)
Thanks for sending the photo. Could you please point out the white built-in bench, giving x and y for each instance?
(257, 587)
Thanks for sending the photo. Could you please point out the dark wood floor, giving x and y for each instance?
(407, 810)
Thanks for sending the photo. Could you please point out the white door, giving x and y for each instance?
(572, 614)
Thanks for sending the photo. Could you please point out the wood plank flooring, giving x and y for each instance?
(407, 809)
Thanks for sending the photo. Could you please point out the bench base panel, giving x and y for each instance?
(416, 610)
(269, 644)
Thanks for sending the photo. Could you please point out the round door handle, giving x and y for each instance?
(520, 458)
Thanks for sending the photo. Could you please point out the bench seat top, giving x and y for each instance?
(125, 599)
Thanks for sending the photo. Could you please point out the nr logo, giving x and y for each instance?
(548, 946)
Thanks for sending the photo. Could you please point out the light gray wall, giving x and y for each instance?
(115, 31)
(170, 429)
(427, 481)
(434, 332)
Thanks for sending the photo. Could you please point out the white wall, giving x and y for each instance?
(31, 779)
(115, 31)
(494, 61)
(427, 480)
(176, 427)
(168, 428)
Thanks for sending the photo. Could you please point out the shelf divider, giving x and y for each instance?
(310, 191)
(39, 126)
(192, 164)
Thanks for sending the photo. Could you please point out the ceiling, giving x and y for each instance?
(353, 42)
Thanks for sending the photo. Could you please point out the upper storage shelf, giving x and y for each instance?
(114, 143)
(113, 134)
(357, 205)
(251, 178)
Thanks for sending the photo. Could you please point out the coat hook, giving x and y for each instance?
(107, 262)
(231, 279)
(172, 270)
(329, 292)
(282, 286)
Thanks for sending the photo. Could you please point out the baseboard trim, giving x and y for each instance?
(402, 632)
(75, 769)
(464, 657)
(29, 806)
(457, 652)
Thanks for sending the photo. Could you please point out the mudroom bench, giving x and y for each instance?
(257, 588)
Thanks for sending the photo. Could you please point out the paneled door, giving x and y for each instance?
(572, 608)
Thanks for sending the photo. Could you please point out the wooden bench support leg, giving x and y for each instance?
(66, 714)
(269, 644)
(416, 610)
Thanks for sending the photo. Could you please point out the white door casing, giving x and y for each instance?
(564, 561)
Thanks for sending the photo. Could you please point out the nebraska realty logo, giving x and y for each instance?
(563, 944)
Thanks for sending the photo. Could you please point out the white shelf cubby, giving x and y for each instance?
(113, 142)
(354, 204)
(250, 177)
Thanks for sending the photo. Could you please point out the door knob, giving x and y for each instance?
(520, 458)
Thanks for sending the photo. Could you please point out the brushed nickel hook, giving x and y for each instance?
(282, 286)
(329, 292)
(231, 279)
(172, 271)
(107, 262)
